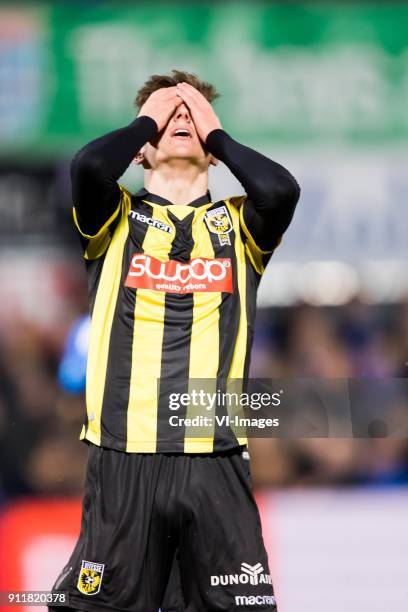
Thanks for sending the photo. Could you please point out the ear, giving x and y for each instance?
(139, 158)
(213, 161)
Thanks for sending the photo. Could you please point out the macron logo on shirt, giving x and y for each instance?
(151, 222)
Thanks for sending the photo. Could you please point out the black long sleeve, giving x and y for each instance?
(272, 191)
(96, 168)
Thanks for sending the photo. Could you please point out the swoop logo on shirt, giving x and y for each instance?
(199, 274)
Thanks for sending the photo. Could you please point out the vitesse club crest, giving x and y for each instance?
(219, 222)
(90, 578)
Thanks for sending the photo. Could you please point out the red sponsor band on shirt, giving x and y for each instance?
(198, 274)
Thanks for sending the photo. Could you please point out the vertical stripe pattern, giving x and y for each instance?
(102, 319)
(204, 346)
(178, 319)
(117, 383)
(146, 354)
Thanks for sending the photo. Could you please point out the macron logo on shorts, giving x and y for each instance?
(255, 600)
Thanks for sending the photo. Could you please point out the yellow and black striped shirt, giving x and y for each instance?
(173, 297)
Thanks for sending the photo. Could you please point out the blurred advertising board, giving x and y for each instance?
(338, 549)
(36, 540)
(288, 72)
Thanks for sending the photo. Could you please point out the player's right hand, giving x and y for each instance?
(160, 106)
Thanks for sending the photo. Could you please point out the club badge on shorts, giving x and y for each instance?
(90, 577)
(219, 222)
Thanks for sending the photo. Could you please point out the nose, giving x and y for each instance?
(182, 112)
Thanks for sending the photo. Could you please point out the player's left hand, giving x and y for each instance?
(202, 113)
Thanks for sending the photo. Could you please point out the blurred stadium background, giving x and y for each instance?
(321, 87)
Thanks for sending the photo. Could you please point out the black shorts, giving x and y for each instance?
(148, 516)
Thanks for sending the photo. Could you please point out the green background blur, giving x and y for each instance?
(289, 72)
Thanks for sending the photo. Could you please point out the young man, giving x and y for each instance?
(172, 282)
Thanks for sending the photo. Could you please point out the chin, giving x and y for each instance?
(184, 153)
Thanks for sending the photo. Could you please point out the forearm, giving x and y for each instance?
(272, 191)
(96, 168)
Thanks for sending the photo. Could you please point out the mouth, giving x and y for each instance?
(181, 133)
